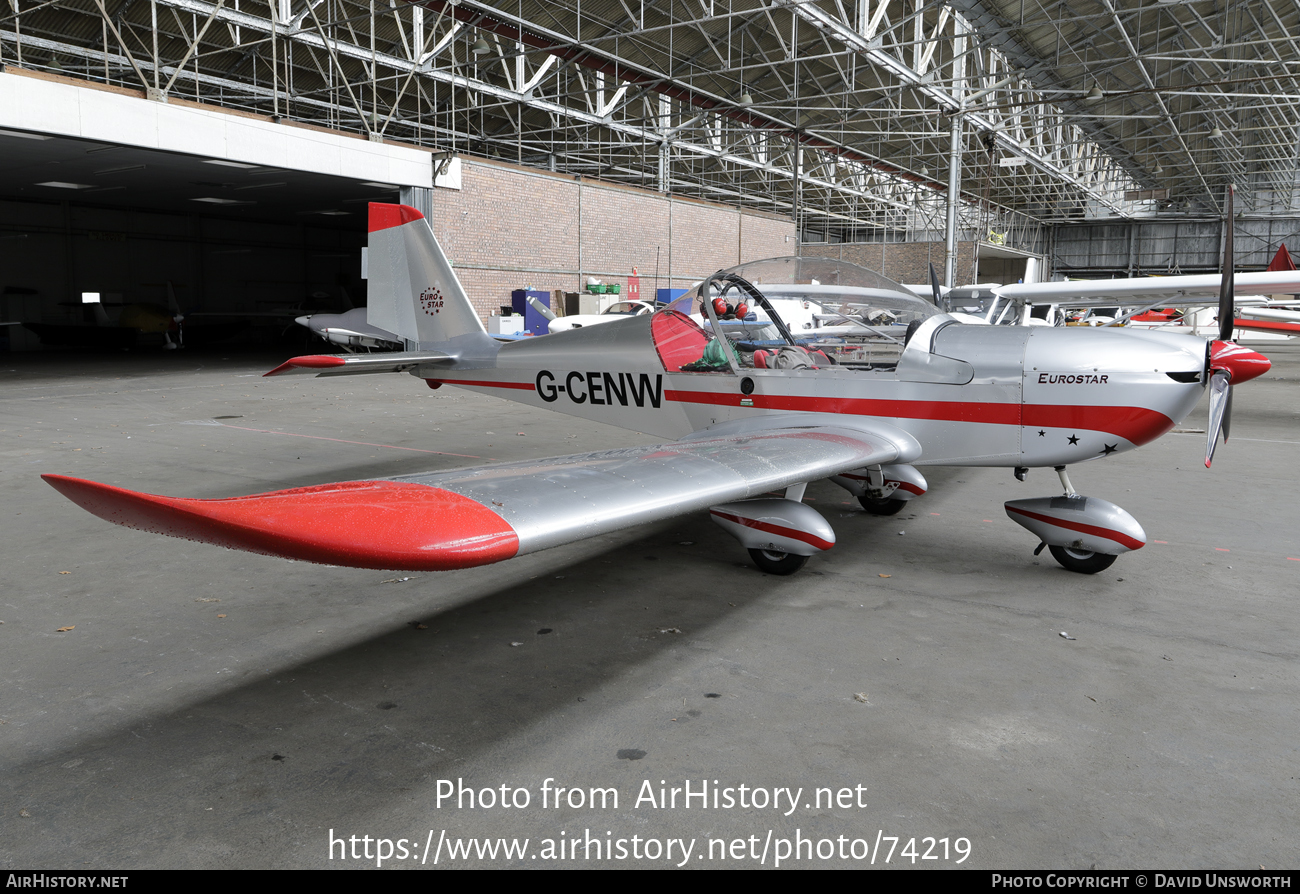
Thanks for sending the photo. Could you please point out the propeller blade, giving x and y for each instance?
(934, 286)
(541, 308)
(172, 304)
(1220, 403)
(1227, 416)
(1226, 290)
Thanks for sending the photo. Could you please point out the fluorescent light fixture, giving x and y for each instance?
(378, 185)
(212, 200)
(261, 186)
(89, 297)
(23, 136)
(121, 170)
(228, 164)
(60, 184)
(329, 212)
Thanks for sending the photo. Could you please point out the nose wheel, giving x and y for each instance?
(1081, 560)
(1085, 534)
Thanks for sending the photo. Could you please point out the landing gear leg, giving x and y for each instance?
(1065, 482)
(884, 505)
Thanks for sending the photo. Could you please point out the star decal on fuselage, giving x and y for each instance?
(1074, 439)
(1042, 433)
(1109, 449)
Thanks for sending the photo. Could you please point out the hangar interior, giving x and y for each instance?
(170, 704)
(562, 142)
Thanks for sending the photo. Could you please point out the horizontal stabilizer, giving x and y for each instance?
(457, 519)
(359, 364)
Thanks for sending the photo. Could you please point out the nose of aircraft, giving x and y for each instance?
(304, 320)
(1241, 363)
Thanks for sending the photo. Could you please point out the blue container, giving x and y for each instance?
(533, 321)
(667, 296)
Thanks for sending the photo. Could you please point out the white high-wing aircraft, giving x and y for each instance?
(350, 330)
(1014, 303)
(735, 428)
(608, 315)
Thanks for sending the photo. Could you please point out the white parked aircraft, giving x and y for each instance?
(350, 330)
(608, 315)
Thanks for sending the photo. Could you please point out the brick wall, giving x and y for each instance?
(510, 227)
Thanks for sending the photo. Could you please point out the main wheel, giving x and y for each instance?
(774, 562)
(886, 506)
(1081, 560)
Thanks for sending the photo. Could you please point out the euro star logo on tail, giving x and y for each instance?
(431, 300)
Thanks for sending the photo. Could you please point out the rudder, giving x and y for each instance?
(413, 291)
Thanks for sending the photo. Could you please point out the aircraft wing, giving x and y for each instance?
(458, 519)
(1200, 288)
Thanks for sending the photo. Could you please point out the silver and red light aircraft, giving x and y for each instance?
(741, 417)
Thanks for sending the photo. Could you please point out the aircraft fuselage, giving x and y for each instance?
(992, 396)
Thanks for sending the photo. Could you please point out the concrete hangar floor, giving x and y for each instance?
(214, 709)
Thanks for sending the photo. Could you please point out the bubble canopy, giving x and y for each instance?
(833, 284)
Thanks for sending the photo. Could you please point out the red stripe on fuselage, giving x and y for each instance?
(1137, 425)
(1094, 530)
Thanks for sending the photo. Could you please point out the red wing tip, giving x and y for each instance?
(60, 481)
(310, 361)
(384, 217)
(361, 524)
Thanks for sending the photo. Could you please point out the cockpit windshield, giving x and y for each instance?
(847, 314)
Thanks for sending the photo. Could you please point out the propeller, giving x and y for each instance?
(934, 286)
(1221, 380)
(1226, 361)
(177, 317)
(1227, 307)
(541, 308)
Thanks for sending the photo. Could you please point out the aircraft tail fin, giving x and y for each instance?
(413, 291)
